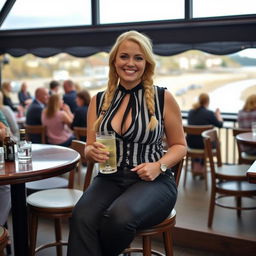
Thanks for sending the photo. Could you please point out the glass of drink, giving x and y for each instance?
(24, 150)
(254, 129)
(109, 141)
(1, 157)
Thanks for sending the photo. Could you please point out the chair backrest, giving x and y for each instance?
(80, 132)
(79, 147)
(36, 129)
(196, 129)
(211, 141)
(177, 168)
(240, 144)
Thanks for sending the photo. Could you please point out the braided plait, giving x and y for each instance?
(109, 94)
(149, 96)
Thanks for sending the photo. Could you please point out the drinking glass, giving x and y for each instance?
(1, 157)
(109, 141)
(24, 150)
(254, 129)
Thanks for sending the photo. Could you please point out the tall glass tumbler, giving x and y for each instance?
(254, 129)
(109, 141)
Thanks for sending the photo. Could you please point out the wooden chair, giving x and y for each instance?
(194, 152)
(37, 130)
(80, 132)
(55, 204)
(164, 228)
(79, 147)
(226, 180)
(50, 183)
(3, 240)
(243, 157)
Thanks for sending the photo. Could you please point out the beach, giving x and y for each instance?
(206, 81)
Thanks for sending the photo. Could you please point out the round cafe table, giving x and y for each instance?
(47, 161)
(247, 138)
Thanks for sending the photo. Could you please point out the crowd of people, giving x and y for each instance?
(47, 107)
(72, 102)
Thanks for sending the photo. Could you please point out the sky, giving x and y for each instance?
(251, 53)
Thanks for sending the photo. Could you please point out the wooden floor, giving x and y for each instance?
(228, 235)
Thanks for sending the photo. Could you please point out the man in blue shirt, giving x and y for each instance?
(33, 115)
(69, 97)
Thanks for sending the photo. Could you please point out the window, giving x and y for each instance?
(117, 11)
(2, 2)
(48, 13)
(216, 8)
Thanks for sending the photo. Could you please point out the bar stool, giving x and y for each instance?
(164, 228)
(3, 240)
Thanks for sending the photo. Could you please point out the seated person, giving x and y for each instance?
(33, 115)
(201, 115)
(6, 90)
(24, 96)
(139, 195)
(69, 97)
(246, 116)
(57, 117)
(80, 117)
(10, 118)
(54, 87)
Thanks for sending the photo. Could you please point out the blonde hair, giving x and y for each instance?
(5, 88)
(52, 105)
(250, 103)
(146, 46)
(203, 100)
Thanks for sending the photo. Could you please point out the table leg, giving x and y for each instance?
(19, 219)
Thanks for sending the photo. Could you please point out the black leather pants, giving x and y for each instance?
(105, 220)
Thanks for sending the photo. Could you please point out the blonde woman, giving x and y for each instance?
(24, 95)
(142, 192)
(6, 90)
(247, 114)
(10, 117)
(57, 118)
(245, 117)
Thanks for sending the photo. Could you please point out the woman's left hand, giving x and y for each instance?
(147, 171)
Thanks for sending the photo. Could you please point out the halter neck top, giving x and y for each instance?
(137, 144)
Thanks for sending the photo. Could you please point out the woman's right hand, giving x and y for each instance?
(96, 152)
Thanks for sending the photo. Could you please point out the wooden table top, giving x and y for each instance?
(47, 161)
(247, 137)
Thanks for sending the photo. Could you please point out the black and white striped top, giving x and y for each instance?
(138, 144)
